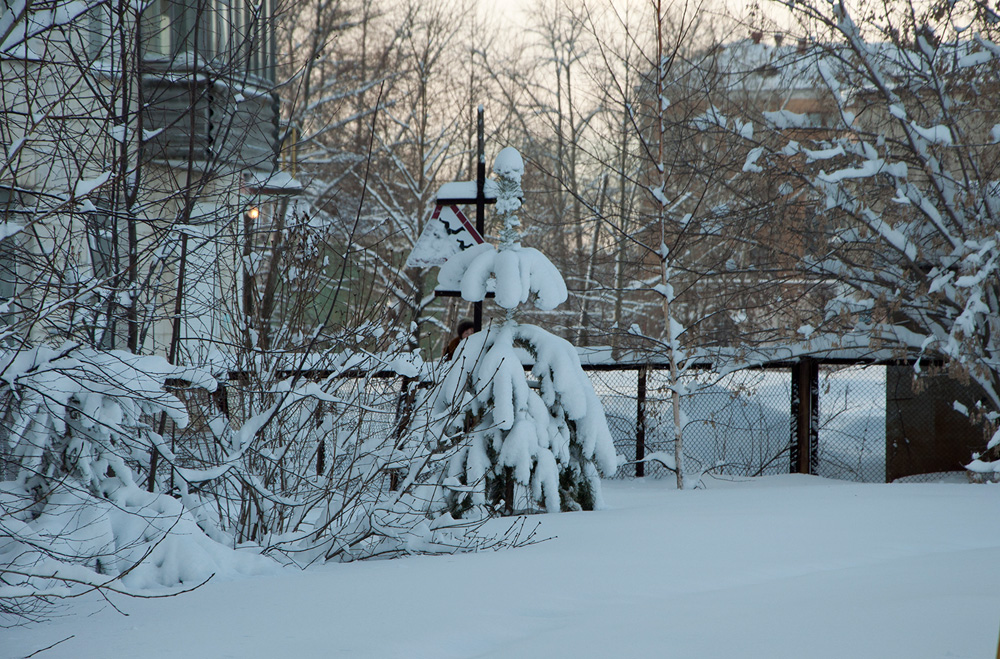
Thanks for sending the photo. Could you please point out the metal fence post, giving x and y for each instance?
(477, 307)
(804, 447)
(321, 445)
(640, 423)
(813, 417)
(793, 441)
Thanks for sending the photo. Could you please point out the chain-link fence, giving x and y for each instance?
(874, 422)
(852, 423)
(741, 423)
(194, 446)
(371, 401)
(736, 424)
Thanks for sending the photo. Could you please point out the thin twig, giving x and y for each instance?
(28, 656)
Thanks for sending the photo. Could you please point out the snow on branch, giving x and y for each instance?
(515, 274)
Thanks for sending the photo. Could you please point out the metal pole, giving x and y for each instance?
(640, 424)
(477, 307)
(805, 417)
(813, 417)
(796, 404)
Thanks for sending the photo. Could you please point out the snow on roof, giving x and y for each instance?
(758, 66)
(279, 182)
(754, 66)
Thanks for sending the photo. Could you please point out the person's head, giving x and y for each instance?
(465, 329)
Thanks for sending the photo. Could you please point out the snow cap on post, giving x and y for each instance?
(509, 167)
(509, 164)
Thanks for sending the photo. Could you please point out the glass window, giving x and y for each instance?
(97, 31)
(192, 27)
(101, 234)
(156, 29)
(8, 256)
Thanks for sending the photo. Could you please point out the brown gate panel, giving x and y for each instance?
(924, 434)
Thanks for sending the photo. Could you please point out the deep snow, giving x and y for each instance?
(781, 566)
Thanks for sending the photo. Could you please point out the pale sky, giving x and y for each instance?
(514, 13)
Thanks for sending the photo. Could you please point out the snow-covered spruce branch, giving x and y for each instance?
(74, 514)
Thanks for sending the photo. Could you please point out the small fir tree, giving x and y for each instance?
(538, 444)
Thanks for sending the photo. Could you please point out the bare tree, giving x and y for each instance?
(901, 178)
(135, 137)
(415, 153)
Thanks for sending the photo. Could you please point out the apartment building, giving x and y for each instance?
(141, 159)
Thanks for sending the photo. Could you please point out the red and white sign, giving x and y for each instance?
(447, 233)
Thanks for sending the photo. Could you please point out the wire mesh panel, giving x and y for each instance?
(368, 401)
(738, 424)
(618, 392)
(852, 423)
(327, 433)
(735, 424)
(367, 410)
(195, 445)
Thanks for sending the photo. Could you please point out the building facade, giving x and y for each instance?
(142, 155)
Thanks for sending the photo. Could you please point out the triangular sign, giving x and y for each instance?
(447, 234)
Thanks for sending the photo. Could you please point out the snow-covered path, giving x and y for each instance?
(785, 566)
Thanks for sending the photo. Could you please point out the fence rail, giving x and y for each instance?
(830, 418)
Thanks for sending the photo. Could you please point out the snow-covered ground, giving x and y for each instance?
(781, 566)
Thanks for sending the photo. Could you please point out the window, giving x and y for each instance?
(102, 243)
(156, 29)
(237, 32)
(181, 15)
(223, 27)
(101, 238)
(97, 31)
(194, 28)
(263, 56)
(8, 255)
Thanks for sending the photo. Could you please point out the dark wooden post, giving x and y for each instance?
(793, 442)
(814, 417)
(404, 414)
(321, 447)
(175, 338)
(804, 453)
(640, 423)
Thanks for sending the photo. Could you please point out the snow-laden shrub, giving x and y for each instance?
(73, 510)
(317, 470)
